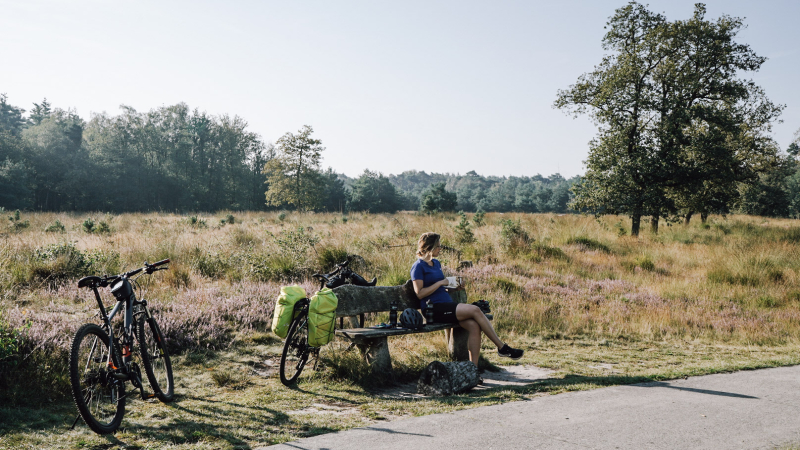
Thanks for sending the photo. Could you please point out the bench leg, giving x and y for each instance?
(376, 352)
(457, 343)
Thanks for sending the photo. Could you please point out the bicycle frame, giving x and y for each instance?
(139, 334)
(128, 305)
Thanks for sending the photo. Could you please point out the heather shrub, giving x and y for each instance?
(208, 317)
(742, 286)
(43, 343)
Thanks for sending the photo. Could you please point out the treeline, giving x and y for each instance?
(174, 158)
(170, 158)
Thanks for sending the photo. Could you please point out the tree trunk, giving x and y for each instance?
(635, 222)
(654, 224)
(687, 218)
(440, 379)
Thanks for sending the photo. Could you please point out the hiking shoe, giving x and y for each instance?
(508, 352)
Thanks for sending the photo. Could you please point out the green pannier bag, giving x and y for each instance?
(284, 309)
(321, 317)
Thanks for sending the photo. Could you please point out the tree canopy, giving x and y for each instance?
(293, 175)
(374, 192)
(678, 128)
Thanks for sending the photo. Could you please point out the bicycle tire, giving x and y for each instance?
(99, 398)
(295, 350)
(155, 359)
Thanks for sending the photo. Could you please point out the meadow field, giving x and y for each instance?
(583, 298)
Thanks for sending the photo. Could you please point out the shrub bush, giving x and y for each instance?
(463, 234)
(586, 243)
(513, 239)
(296, 245)
(479, 218)
(55, 227)
(329, 256)
(88, 225)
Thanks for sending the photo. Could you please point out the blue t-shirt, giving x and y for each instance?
(430, 275)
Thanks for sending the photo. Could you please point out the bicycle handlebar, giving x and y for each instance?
(106, 280)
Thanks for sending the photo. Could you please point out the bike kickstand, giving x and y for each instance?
(74, 423)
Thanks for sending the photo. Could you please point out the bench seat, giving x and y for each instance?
(373, 343)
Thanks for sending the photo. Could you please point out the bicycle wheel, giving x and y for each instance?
(100, 399)
(295, 350)
(155, 359)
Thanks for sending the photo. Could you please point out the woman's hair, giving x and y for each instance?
(426, 243)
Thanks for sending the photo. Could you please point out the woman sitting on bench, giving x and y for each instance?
(429, 284)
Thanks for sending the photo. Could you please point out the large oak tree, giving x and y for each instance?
(674, 117)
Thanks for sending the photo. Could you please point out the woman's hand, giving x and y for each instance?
(423, 292)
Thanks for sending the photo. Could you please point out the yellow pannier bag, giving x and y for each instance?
(284, 309)
(321, 317)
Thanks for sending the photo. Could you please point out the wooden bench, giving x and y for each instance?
(373, 342)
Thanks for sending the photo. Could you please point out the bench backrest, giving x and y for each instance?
(355, 300)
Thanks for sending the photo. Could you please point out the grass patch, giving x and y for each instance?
(264, 412)
(597, 317)
(586, 243)
(642, 262)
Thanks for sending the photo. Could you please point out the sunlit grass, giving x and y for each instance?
(596, 306)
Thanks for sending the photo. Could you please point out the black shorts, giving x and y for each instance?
(445, 312)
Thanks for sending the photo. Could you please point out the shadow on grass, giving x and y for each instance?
(194, 420)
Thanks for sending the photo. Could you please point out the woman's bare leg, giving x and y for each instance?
(466, 312)
(474, 339)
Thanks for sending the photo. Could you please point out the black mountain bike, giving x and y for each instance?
(296, 350)
(100, 363)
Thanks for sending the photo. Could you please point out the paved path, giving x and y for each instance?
(750, 409)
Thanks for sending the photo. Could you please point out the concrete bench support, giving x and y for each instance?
(376, 353)
(457, 343)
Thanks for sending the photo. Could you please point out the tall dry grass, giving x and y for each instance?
(733, 279)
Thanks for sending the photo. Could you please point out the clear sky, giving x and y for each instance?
(440, 86)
